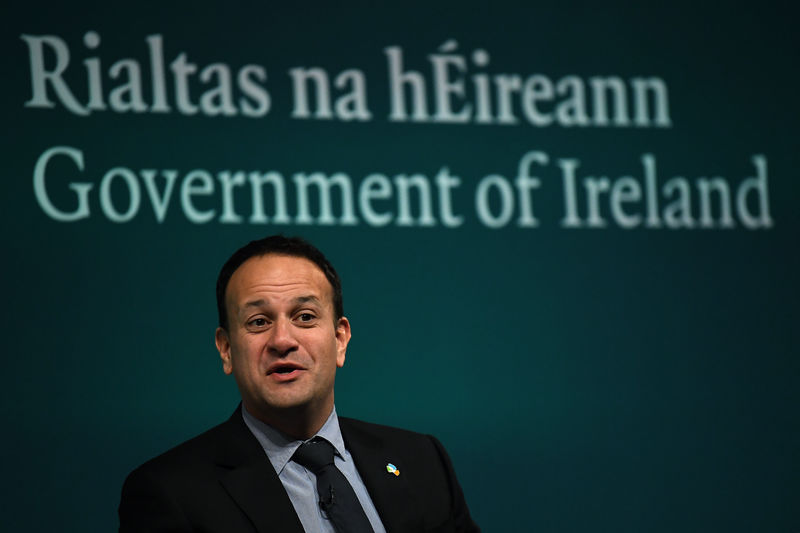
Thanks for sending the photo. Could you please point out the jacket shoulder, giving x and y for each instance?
(180, 490)
(189, 454)
(419, 445)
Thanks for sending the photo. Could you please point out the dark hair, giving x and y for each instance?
(279, 245)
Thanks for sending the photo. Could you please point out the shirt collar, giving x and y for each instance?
(280, 447)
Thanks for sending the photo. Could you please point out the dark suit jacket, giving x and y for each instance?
(222, 481)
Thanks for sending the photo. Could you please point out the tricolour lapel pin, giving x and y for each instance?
(392, 469)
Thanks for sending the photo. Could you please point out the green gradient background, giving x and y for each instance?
(582, 380)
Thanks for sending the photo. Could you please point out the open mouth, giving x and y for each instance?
(284, 370)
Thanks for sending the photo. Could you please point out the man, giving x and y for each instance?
(284, 461)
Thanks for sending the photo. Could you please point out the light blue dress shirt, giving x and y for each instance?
(300, 483)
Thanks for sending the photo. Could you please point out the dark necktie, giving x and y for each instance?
(336, 496)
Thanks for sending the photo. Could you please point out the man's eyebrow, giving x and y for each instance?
(255, 303)
(307, 299)
(299, 300)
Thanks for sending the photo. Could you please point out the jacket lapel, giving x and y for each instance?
(248, 476)
(391, 494)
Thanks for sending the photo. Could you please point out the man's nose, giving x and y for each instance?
(282, 341)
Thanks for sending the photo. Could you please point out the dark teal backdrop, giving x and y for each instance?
(612, 378)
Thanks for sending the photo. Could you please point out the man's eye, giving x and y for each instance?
(258, 322)
(306, 317)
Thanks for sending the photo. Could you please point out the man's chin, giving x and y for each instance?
(285, 401)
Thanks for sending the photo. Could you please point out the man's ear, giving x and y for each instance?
(342, 338)
(223, 342)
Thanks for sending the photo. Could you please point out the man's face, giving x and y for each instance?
(282, 344)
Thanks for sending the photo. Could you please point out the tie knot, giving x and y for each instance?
(315, 454)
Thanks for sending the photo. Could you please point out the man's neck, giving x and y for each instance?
(300, 423)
